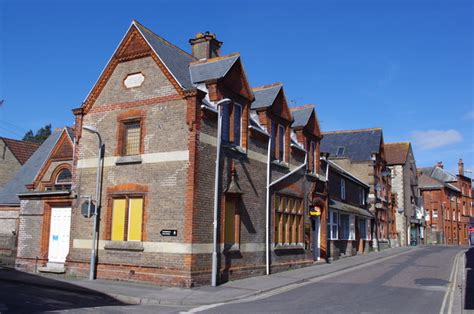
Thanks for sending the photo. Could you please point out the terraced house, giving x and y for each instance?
(362, 153)
(165, 218)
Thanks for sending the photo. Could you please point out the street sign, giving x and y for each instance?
(169, 232)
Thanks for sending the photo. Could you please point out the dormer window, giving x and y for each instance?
(340, 151)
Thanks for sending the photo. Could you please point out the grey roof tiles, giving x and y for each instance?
(264, 97)
(28, 172)
(359, 144)
(176, 60)
(212, 69)
(301, 116)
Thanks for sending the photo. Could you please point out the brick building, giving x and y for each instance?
(11, 213)
(409, 214)
(349, 220)
(446, 200)
(362, 153)
(13, 154)
(155, 107)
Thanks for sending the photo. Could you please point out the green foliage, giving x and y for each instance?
(40, 136)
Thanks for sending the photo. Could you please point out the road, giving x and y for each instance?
(415, 282)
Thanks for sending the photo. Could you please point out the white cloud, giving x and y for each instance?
(430, 139)
(469, 115)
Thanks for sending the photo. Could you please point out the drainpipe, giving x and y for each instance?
(269, 185)
(220, 103)
(267, 210)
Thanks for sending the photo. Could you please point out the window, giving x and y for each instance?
(127, 219)
(345, 227)
(313, 156)
(361, 196)
(332, 225)
(435, 213)
(232, 132)
(288, 220)
(343, 189)
(225, 122)
(131, 137)
(63, 180)
(363, 228)
(281, 142)
(231, 221)
(340, 151)
(237, 124)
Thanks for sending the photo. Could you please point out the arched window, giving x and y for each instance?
(63, 180)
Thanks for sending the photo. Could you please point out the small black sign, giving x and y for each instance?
(169, 233)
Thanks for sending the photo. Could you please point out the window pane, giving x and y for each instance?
(277, 227)
(118, 219)
(284, 205)
(277, 202)
(225, 122)
(135, 219)
(291, 205)
(132, 138)
(229, 222)
(64, 176)
(237, 124)
(281, 142)
(274, 132)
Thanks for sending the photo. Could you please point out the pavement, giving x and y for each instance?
(140, 293)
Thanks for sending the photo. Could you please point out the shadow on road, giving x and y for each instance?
(23, 292)
(469, 296)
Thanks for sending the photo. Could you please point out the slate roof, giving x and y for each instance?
(359, 145)
(301, 115)
(265, 95)
(22, 150)
(396, 153)
(176, 60)
(439, 175)
(28, 172)
(214, 68)
(427, 182)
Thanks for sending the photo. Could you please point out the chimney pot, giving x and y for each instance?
(439, 164)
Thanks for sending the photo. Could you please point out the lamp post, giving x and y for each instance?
(219, 104)
(98, 197)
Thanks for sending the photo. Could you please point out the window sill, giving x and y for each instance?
(126, 160)
(135, 246)
(234, 148)
(289, 247)
(281, 164)
(232, 247)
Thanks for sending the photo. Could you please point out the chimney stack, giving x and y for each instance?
(205, 46)
(439, 164)
(460, 167)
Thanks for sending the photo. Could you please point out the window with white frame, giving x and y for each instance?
(343, 189)
(333, 225)
(352, 229)
(435, 213)
(364, 225)
(344, 231)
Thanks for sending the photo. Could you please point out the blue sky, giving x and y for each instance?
(405, 66)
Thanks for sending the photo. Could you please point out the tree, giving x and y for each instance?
(40, 136)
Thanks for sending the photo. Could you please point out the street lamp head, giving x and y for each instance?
(90, 129)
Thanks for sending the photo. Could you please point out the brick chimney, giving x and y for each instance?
(439, 164)
(205, 46)
(460, 167)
